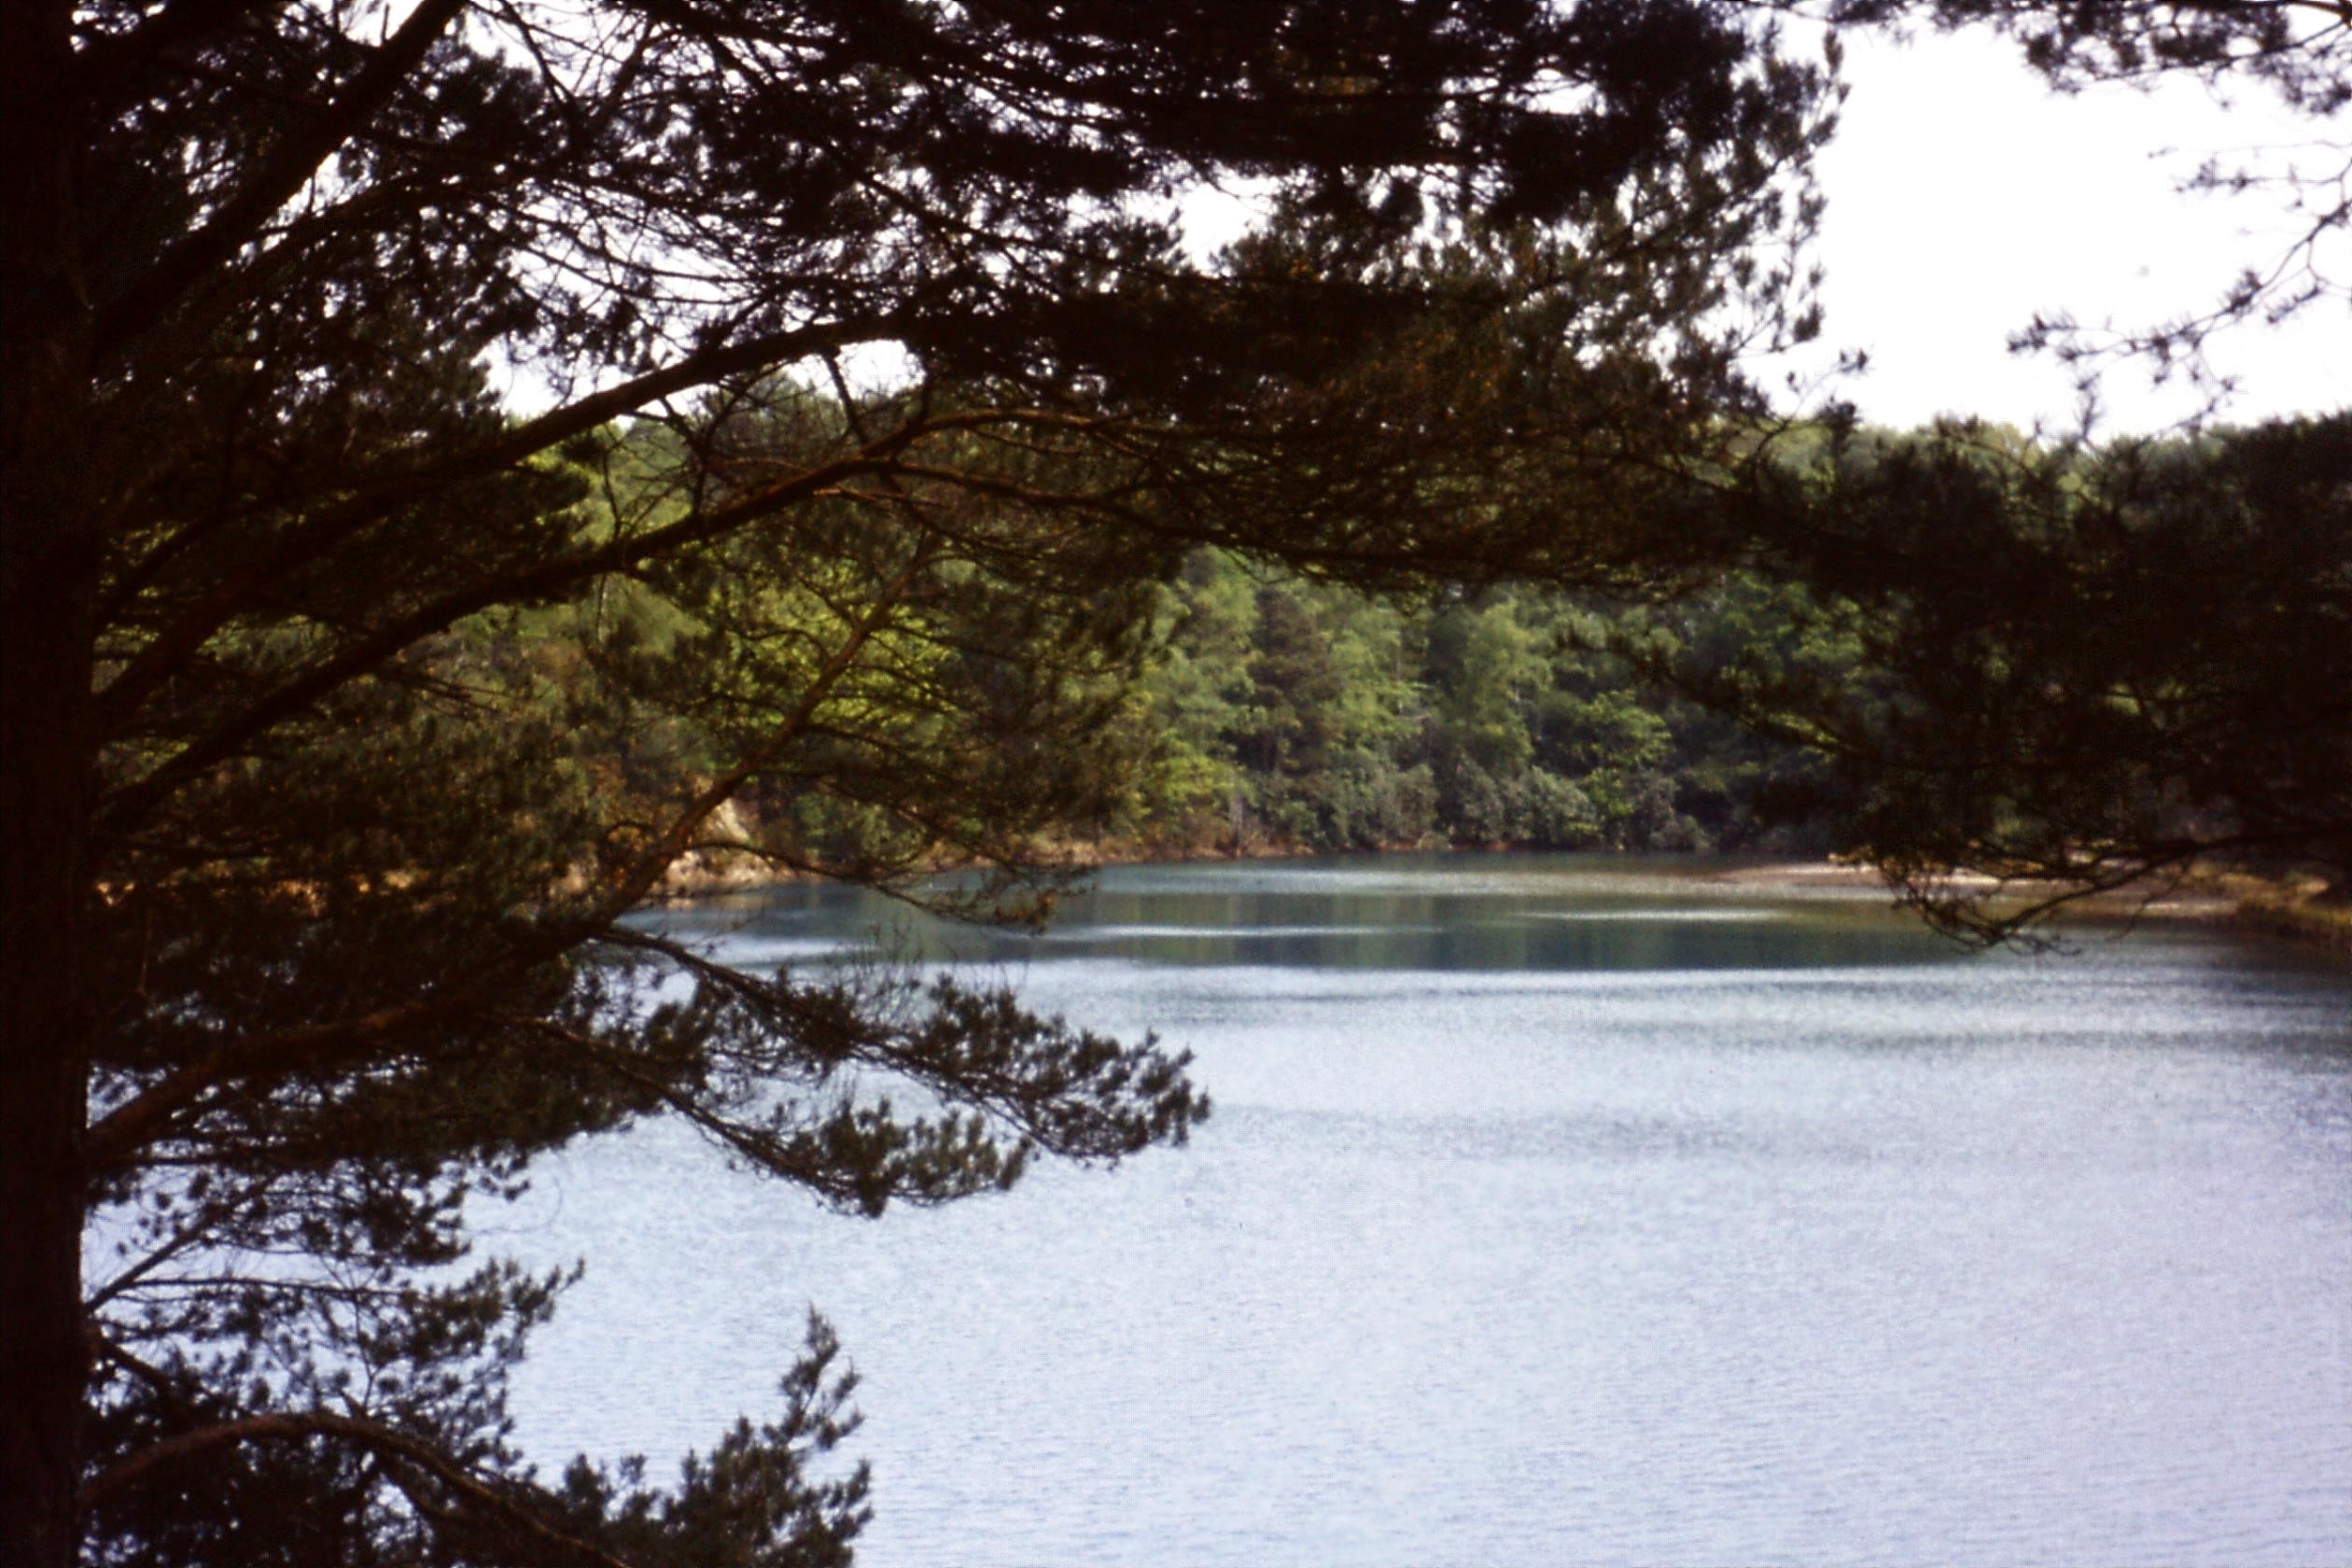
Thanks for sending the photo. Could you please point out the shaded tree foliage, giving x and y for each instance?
(317, 859)
(2076, 668)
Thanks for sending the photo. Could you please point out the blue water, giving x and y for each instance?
(1554, 1209)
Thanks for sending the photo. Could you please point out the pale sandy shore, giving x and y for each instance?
(2197, 900)
(2248, 902)
(2194, 899)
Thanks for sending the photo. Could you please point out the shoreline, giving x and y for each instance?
(2233, 900)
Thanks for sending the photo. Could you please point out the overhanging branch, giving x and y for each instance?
(373, 1436)
(289, 165)
(379, 496)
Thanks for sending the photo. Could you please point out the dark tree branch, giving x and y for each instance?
(373, 1436)
(279, 177)
(378, 496)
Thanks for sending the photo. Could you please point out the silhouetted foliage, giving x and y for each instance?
(2074, 668)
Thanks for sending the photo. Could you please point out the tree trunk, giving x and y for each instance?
(45, 640)
(45, 1022)
(47, 587)
(47, 605)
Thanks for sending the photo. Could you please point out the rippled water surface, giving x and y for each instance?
(1553, 1211)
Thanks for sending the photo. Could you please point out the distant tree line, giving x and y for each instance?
(1282, 712)
(1960, 646)
(1212, 702)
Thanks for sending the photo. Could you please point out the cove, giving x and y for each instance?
(1555, 1209)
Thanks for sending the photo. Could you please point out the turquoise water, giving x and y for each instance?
(1554, 1209)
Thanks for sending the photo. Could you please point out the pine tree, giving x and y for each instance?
(318, 658)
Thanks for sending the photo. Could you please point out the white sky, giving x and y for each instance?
(1964, 196)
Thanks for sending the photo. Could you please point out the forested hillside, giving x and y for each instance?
(1958, 647)
(1216, 702)
(1276, 711)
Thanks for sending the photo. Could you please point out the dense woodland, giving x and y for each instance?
(1266, 711)
(1251, 707)
(905, 486)
(1279, 712)
(1958, 648)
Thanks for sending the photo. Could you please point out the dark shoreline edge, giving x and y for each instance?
(2262, 906)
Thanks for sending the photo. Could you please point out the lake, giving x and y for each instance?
(1555, 1209)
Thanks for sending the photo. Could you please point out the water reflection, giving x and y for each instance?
(1515, 913)
(1542, 1222)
